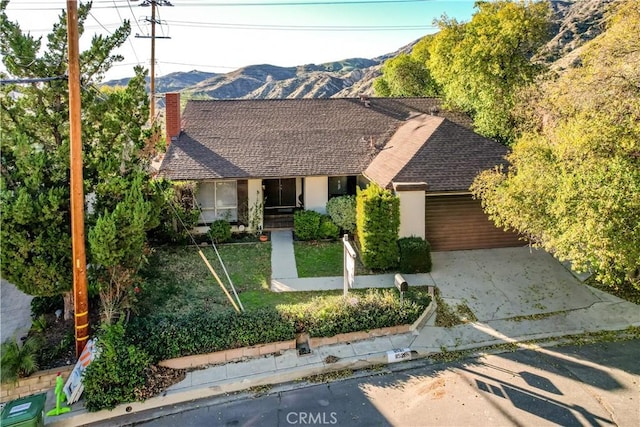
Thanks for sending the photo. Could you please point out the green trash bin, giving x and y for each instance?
(24, 412)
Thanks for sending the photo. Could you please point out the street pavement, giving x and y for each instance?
(595, 384)
(516, 294)
(15, 312)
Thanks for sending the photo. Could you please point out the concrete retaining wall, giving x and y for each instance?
(218, 357)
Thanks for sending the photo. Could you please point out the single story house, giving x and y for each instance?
(294, 153)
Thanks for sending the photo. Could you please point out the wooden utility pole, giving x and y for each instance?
(80, 298)
(153, 37)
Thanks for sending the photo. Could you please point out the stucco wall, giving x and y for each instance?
(411, 213)
(255, 194)
(316, 190)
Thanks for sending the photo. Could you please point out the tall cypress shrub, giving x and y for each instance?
(378, 224)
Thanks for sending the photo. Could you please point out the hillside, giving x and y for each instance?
(574, 23)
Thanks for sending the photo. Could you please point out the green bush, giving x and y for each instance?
(415, 255)
(46, 305)
(204, 331)
(220, 231)
(342, 211)
(328, 230)
(378, 224)
(177, 205)
(39, 324)
(118, 372)
(376, 308)
(17, 360)
(306, 225)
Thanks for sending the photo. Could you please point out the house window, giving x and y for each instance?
(341, 186)
(218, 200)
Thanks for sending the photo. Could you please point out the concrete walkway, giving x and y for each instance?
(15, 312)
(283, 261)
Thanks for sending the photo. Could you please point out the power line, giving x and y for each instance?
(257, 4)
(128, 38)
(278, 27)
(35, 80)
(133, 15)
(99, 23)
(200, 65)
(268, 27)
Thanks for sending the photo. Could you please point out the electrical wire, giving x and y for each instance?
(128, 38)
(201, 65)
(256, 4)
(133, 15)
(100, 24)
(34, 80)
(232, 26)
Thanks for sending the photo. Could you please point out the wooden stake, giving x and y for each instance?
(206, 261)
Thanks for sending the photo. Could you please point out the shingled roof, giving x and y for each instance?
(287, 137)
(434, 150)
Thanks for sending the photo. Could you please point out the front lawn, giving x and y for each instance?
(256, 299)
(322, 259)
(178, 280)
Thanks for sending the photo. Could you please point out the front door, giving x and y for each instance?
(280, 193)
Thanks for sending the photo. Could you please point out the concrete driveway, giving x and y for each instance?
(508, 282)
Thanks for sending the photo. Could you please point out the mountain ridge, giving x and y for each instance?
(574, 23)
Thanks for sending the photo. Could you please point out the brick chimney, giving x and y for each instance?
(172, 115)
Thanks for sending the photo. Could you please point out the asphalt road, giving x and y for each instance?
(596, 384)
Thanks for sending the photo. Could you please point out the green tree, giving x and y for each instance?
(407, 75)
(481, 64)
(573, 185)
(118, 247)
(35, 235)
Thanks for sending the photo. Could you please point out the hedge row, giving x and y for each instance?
(168, 336)
(375, 308)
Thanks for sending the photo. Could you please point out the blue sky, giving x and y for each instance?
(223, 35)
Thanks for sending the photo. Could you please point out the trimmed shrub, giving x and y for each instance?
(328, 230)
(415, 255)
(168, 336)
(306, 225)
(118, 372)
(375, 308)
(342, 211)
(220, 231)
(378, 224)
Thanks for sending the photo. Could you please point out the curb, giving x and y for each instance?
(164, 403)
(156, 403)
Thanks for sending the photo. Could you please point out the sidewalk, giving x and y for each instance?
(516, 294)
